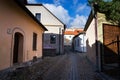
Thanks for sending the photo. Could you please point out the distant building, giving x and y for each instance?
(20, 34)
(54, 37)
(69, 34)
(79, 42)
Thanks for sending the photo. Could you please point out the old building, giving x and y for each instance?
(20, 32)
(79, 42)
(53, 38)
(69, 34)
(102, 41)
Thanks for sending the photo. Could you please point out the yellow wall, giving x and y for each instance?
(15, 19)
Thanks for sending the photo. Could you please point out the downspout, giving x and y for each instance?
(62, 41)
(96, 43)
(95, 9)
(59, 40)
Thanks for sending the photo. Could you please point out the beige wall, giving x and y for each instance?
(90, 34)
(90, 43)
(53, 25)
(46, 17)
(101, 20)
(14, 19)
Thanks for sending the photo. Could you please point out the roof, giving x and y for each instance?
(48, 11)
(79, 34)
(90, 18)
(22, 5)
(73, 31)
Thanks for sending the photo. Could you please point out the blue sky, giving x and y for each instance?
(73, 13)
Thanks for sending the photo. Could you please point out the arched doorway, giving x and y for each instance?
(18, 48)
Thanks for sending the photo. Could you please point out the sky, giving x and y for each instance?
(73, 13)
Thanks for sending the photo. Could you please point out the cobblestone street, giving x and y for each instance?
(70, 66)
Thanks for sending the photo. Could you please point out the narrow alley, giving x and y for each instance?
(60, 40)
(71, 66)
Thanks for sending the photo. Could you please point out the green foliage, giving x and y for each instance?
(111, 8)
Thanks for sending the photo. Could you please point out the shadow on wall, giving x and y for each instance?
(107, 53)
(108, 56)
(52, 44)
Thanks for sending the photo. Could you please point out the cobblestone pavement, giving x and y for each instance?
(29, 71)
(71, 66)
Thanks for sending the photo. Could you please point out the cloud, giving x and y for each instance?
(79, 21)
(32, 1)
(63, 15)
(81, 7)
(57, 2)
(60, 12)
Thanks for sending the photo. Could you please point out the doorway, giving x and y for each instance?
(18, 48)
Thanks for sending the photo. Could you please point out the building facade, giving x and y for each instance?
(53, 38)
(102, 40)
(20, 32)
(69, 34)
(79, 43)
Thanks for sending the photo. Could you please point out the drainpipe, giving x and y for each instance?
(96, 43)
(59, 40)
(95, 9)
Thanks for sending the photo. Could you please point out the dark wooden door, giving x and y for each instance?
(110, 34)
(18, 48)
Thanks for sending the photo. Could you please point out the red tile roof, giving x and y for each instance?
(73, 31)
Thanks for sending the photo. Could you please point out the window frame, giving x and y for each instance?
(34, 41)
(38, 16)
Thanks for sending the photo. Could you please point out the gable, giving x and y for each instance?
(47, 18)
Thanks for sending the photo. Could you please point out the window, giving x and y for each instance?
(52, 39)
(38, 16)
(34, 41)
(69, 36)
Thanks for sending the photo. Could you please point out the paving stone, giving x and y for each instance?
(70, 66)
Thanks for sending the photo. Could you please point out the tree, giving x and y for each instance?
(111, 8)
